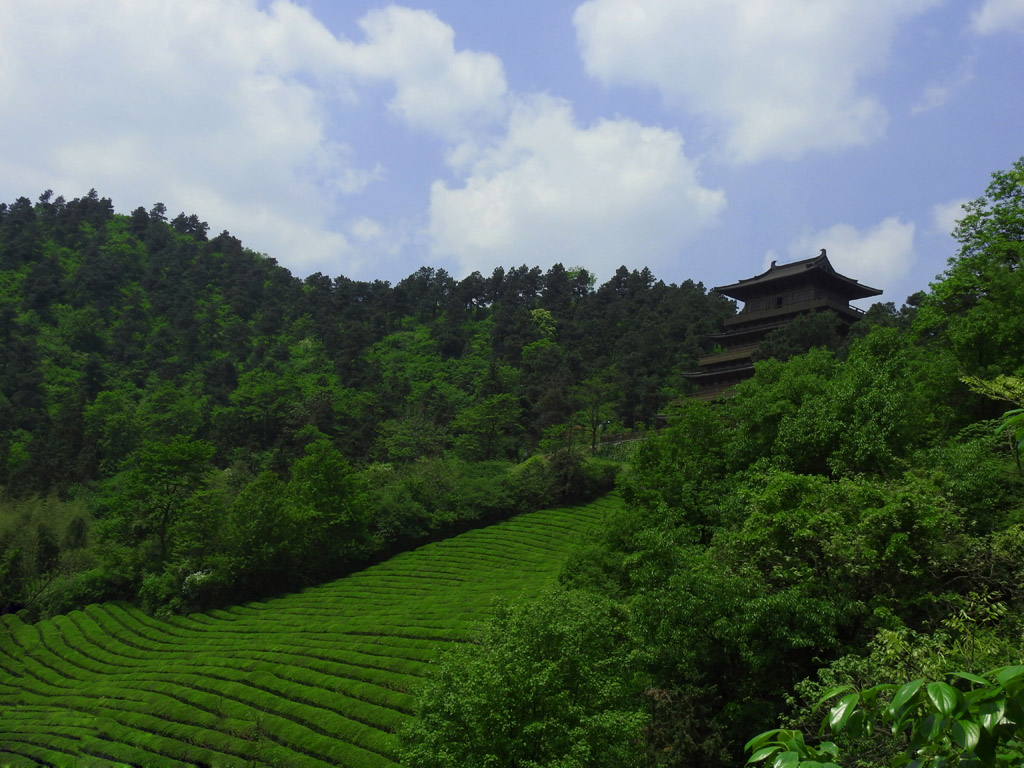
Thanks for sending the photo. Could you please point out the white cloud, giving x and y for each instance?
(222, 108)
(946, 215)
(365, 228)
(938, 93)
(780, 78)
(436, 88)
(212, 107)
(615, 192)
(934, 96)
(998, 16)
(304, 247)
(352, 181)
(879, 256)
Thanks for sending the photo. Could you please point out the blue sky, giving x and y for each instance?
(700, 138)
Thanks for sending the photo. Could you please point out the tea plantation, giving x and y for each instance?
(326, 677)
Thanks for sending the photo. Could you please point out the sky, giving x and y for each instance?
(700, 138)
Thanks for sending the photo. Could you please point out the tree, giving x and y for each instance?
(864, 418)
(409, 438)
(553, 684)
(595, 396)
(190, 225)
(967, 308)
(817, 329)
(1009, 389)
(262, 400)
(774, 395)
(934, 723)
(157, 491)
(488, 429)
(263, 538)
(326, 499)
(544, 382)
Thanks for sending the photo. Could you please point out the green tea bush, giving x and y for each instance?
(324, 677)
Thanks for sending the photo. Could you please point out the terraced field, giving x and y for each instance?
(321, 678)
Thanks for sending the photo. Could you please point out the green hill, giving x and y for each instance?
(137, 352)
(323, 677)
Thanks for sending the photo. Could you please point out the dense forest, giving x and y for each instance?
(186, 425)
(842, 540)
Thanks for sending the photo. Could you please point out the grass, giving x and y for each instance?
(325, 677)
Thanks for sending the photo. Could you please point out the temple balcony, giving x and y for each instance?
(730, 355)
(795, 307)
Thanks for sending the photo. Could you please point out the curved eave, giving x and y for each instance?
(797, 272)
(844, 286)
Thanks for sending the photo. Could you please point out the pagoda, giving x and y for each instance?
(772, 300)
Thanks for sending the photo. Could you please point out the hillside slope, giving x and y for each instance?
(324, 677)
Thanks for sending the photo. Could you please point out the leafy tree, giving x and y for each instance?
(47, 551)
(552, 684)
(595, 396)
(409, 438)
(263, 538)
(261, 403)
(1009, 389)
(327, 500)
(967, 308)
(158, 490)
(545, 384)
(773, 396)
(190, 225)
(488, 429)
(11, 576)
(933, 723)
(679, 469)
(817, 329)
(864, 419)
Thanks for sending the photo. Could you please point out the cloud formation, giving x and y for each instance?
(998, 16)
(222, 108)
(778, 78)
(936, 94)
(946, 215)
(436, 87)
(879, 256)
(550, 190)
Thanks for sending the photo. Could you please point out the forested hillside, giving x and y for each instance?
(838, 550)
(186, 424)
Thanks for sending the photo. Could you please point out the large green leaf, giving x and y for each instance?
(944, 697)
(842, 711)
(1015, 710)
(990, 713)
(829, 748)
(833, 692)
(762, 738)
(761, 754)
(903, 695)
(1008, 675)
(971, 677)
(859, 724)
(986, 748)
(1014, 420)
(927, 731)
(966, 733)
